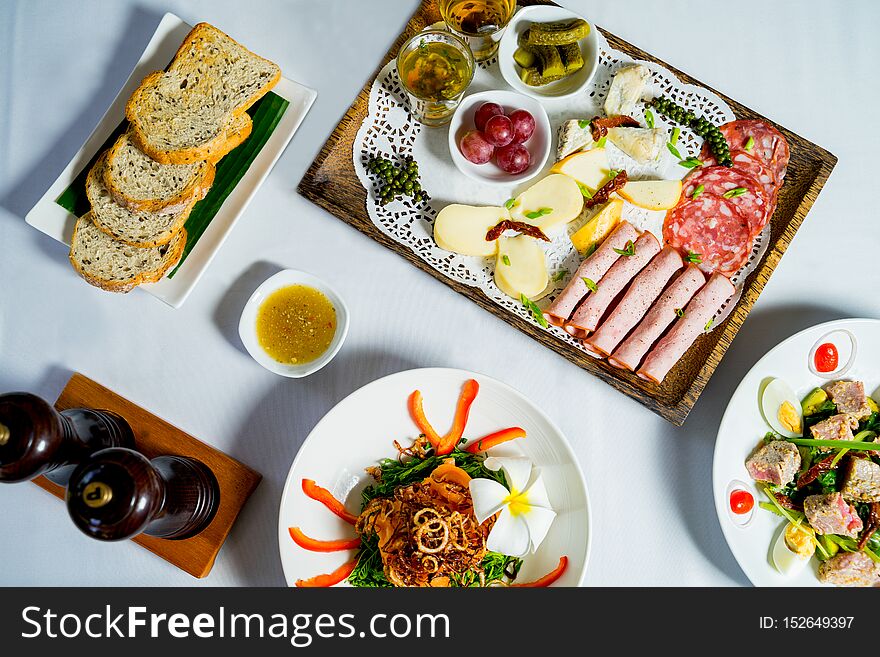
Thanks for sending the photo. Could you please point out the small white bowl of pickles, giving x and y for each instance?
(293, 324)
(570, 64)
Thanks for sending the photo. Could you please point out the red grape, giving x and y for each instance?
(475, 148)
(485, 112)
(523, 125)
(513, 158)
(499, 130)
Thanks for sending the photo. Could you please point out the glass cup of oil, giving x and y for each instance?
(479, 22)
(435, 68)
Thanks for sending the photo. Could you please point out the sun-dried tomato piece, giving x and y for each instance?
(519, 226)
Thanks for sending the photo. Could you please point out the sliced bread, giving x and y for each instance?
(135, 227)
(183, 114)
(142, 184)
(115, 266)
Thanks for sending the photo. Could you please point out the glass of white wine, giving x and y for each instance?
(435, 68)
(479, 22)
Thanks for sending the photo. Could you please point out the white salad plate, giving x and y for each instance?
(565, 88)
(743, 426)
(247, 326)
(538, 145)
(359, 431)
(54, 220)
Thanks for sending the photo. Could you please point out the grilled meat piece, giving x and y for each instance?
(861, 480)
(850, 569)
(849, 397)
(836, 427)
(776, 462)
(830, 514)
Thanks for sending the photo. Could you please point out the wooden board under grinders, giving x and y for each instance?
(155, 437)
(332, 183)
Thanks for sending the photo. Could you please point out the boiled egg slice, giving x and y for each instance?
(782, 409)
(793, 549)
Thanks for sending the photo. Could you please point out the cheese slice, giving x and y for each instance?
(641, 144)
(573, 138)
(627, 89)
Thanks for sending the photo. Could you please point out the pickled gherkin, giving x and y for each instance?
(535, 78)
(557, 34)
(525, 58)
(550, 61)
(572, 59)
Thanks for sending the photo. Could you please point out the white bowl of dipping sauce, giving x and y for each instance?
(286, 321)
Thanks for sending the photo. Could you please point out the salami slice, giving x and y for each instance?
(753, 202)
(770, 147)
(712, 227)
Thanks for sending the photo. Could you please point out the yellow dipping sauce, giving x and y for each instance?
(296, 324)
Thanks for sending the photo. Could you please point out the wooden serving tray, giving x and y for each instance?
(155, 437)
(331, 182)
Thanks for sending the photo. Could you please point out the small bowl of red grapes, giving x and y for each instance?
(499, 137)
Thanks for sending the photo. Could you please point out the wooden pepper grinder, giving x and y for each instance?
(119, 493)
(35, 439)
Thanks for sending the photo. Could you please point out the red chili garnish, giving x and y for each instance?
(519, 226)
(741, 501)
(326, 498)
(826, 357)
(599, 126)
(494, 439)
(315, 545)
(811, 475)
(547, 579)
(606, 190)
(330, 579)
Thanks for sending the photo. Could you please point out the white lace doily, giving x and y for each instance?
(389, 131)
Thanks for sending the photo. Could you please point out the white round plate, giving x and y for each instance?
(538, 144)
(574, 83)
(359, 431)
(247, 325)
(743, 426)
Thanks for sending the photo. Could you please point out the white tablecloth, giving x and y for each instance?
(809, 65)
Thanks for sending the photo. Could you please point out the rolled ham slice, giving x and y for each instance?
(629, 354)
(586, 317)
(645, 288)
(681, 336)
(594, 268)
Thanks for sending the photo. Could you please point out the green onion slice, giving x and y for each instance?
(733, 193)
(505, 260)
(676, 133)
(750, 144)
(698, 190)
(591, 284)
(533, 308)
(673, 150)
(628, 250)
(649, 118)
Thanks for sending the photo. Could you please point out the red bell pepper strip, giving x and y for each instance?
(315, 545)
(488, 442)
(418, 416)
(549, 578)
(462, 411)
(330, 579)
(324, 496)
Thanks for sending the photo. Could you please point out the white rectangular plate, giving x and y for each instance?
(52, 219)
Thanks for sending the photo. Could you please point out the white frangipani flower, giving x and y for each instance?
(524, 511)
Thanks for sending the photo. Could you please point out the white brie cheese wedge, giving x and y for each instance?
(573, 138)
(641, 144)
(627, 89)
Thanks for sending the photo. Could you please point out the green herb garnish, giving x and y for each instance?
(583, 124)
(584, 191)
(733, 193)
(649, 118)
(592, 249)
(510, 203)
(697, 191)
(533, 308)
(601, 143)
(537, 214)
(505, 260)
(693, 257)
(628, 250)
(835, 444)
(591, 284)
(676, 133)
(673, 149)
(679, 312)
(709, 324)
(750, 144)
(558, 276)
(690, 163)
